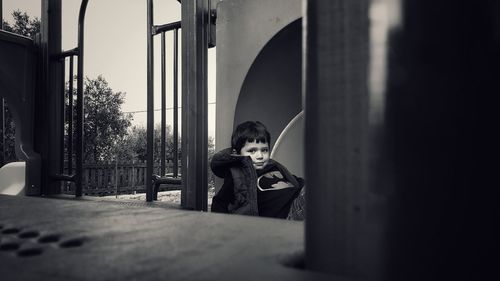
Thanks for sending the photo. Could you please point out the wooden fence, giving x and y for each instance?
(118, 178)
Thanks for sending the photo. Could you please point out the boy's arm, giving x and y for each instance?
(225, 196)
(222, 161)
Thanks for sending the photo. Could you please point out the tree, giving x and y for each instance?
(105, 125)
(136, 144)
(26, 26)
(10, 140)
(211, 147)
(134, 147)
(23, 24)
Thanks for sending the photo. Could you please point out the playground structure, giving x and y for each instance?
(17, 81)
(395, 125)
(259, 71)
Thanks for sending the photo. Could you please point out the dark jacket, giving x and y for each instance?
(238, 194)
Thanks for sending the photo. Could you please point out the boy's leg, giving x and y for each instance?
(298, 209)
(155, 191)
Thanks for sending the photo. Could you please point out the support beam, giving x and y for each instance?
(49, 99)
(70, 120)
(399, 118)
(80, 100)
(150, 102)
(2, 127)
(2, 106)
(336, 130)
(195, 22)
(175, 133)
(163, 107)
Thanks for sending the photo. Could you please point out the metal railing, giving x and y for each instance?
(162, 29)
(152, 30)
(154, 180)
(75, 177)
(74, 174)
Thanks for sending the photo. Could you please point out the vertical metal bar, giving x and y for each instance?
(194, 105)
(176, 106)
(163, 106)
(2, 122)
(47, 128)
(80, 102)
(150, 103)
(63, 119)
(2, 106)
(116, 177)
(70, 117)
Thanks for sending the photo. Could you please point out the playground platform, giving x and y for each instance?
(89, 239)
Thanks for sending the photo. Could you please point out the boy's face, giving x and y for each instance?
(258, 151)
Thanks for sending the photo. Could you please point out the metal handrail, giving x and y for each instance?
(61, 176)
(65, 54)
(79, 52)
(157, 29)
(79, 101)
(152, 184)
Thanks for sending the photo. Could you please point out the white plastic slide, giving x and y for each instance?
(12, 178)
(289, 147)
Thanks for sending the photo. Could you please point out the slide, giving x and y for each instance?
(18, 62)
(289, 147)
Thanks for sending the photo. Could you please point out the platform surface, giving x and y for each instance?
(69, 239)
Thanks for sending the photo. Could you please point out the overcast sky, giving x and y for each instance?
(115, 46)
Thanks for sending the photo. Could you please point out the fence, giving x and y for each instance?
(118, 178)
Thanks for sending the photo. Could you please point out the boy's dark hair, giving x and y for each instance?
(249, 131)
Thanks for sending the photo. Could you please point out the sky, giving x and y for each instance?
(115, 47)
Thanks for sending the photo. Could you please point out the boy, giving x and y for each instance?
(254, 184)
